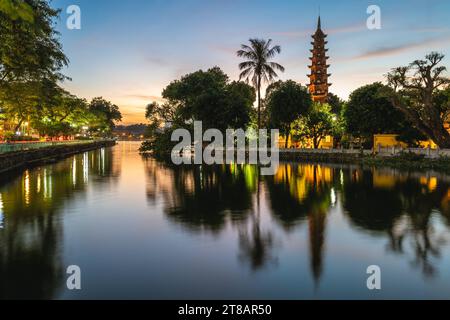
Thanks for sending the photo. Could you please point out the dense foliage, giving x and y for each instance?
(31, 59)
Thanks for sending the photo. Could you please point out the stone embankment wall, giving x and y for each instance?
(21, 159)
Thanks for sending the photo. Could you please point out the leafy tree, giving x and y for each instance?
(61, 114)
(258, 68)
(105, 115)
(286, 102)
(18, 101)
(31, 57)
(161, 115)
(208, 96)
(413, 91)
(16, 10)
(29, 44)
(368, 113)
(239, 104)
(335, 103)
(317, 124)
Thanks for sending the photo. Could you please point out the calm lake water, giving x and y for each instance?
(142, 229)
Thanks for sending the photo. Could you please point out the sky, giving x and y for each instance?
(128, 51)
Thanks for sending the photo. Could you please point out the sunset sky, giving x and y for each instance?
(128, 51)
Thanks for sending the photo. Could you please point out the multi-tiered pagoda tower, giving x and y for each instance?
(318, 87)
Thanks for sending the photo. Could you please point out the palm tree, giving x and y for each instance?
(258, 68)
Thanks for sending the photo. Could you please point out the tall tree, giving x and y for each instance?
(258, 68)
(285, 103)
(413, 90)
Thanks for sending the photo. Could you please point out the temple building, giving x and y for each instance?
(318, 87)
(318, 78)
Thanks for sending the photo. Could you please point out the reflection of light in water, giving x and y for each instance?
(333, 197)
(102, 155)
(74, 171)
(1, 212)
(85, 167)
(38, 184)
(27, 187)
(47, 185)
(342, 177)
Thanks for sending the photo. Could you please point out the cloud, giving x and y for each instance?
(397, 49)
(145, 97)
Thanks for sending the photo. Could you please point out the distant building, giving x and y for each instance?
(318, 86)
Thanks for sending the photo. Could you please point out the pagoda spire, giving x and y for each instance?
(318, 87)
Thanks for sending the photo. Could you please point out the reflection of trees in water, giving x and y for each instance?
(401, 206)
(30, 242)
(255, 245)
(299, 192)
(205, 198)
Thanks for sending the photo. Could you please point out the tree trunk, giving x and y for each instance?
(17, 127)
(287, 140)
(441, 137)
(315, 143)
(259, 103)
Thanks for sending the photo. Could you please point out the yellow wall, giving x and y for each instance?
(387, 140)
(390, 140)
(326, 143)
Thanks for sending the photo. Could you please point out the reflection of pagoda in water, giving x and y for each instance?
(318, 78)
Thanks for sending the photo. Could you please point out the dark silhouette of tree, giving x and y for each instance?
(412, 91)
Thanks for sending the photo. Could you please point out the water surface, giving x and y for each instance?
(142, 229)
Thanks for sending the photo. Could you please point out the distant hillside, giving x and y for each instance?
(134, 129)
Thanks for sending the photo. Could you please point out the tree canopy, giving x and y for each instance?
(285, 103)
(210, 97)
(258, 68)
(415, 91)
(369, 112)
(316, 124)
